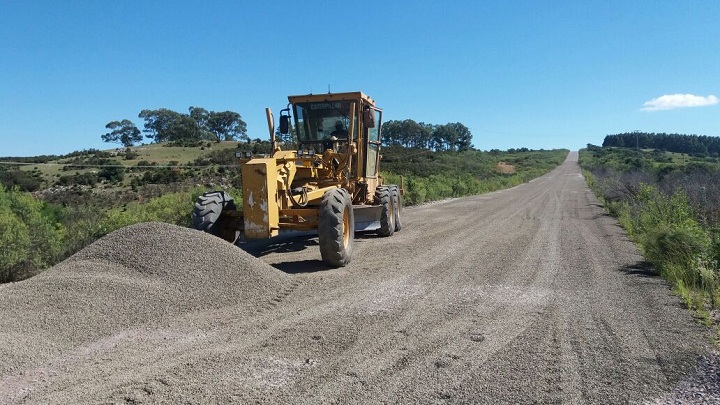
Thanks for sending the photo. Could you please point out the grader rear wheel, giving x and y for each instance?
(336, 227)
(398, 205)
(383, 197)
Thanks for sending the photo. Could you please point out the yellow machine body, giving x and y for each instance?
(283, 192)
(260, 205)
(323, 178)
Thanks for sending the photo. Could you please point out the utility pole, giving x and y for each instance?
(637, 144)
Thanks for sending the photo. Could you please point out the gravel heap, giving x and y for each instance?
(140, 274)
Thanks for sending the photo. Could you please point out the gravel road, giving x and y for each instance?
(527, 295)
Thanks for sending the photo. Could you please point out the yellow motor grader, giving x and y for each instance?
(329, 184)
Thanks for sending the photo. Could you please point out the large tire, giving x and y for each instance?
(398, 205)
(336, 227)
(206, 215)
(383, 197)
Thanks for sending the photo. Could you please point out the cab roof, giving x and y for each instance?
(351, 96)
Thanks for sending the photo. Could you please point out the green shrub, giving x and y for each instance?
(81, 228)
(172, 208)
(715, 246)
(675, 244)
(112, 173)
(165, 175)
(431, 176)
(23, 180)
(30, 239)
(14, 244)
(668, 229)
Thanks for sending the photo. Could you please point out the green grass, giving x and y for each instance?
(162, 155)
(155, 153)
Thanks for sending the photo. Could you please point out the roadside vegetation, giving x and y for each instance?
(53, 206)
(669, 204)
(430, 176)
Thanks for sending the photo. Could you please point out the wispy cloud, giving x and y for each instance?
(672, 101)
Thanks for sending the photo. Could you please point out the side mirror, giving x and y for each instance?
(369, 118)
(284, 124)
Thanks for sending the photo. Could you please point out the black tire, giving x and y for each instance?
(383, 197)
(336, 227)
(206, 214)
(397, 200)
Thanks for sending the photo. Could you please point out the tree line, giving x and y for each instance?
(700, 145)
(199, 124)
(164, 125)
(411, 134)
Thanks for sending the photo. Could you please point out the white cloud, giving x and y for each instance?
(672, 101)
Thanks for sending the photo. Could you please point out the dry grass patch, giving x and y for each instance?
(505, 168)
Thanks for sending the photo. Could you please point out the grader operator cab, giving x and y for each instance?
(330, 183)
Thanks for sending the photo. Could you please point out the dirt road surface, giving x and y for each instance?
(527, 295)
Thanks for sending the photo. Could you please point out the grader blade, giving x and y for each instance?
(367, 217)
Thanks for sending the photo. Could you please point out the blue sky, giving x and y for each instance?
(537, 74)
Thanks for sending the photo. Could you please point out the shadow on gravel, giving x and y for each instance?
(601, 215)
(290, 243)
(303, 266)
(263, 247)
(642, 269)
(366, 235)
(287, 244)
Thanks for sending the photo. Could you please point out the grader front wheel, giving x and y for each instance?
(336, 227)
(207, 215)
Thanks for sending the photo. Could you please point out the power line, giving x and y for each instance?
(9, 163)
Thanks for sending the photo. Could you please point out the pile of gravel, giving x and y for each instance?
(140, 274)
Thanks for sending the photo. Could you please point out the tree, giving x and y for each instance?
(184, 128)
(406, 133)
(699, 145)
(422, 135)
(444, 137)
(164, 125)
(227, 126)
(159, 123)
(392, 133)
(464, 137)
(124, 132)
(202, 116)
